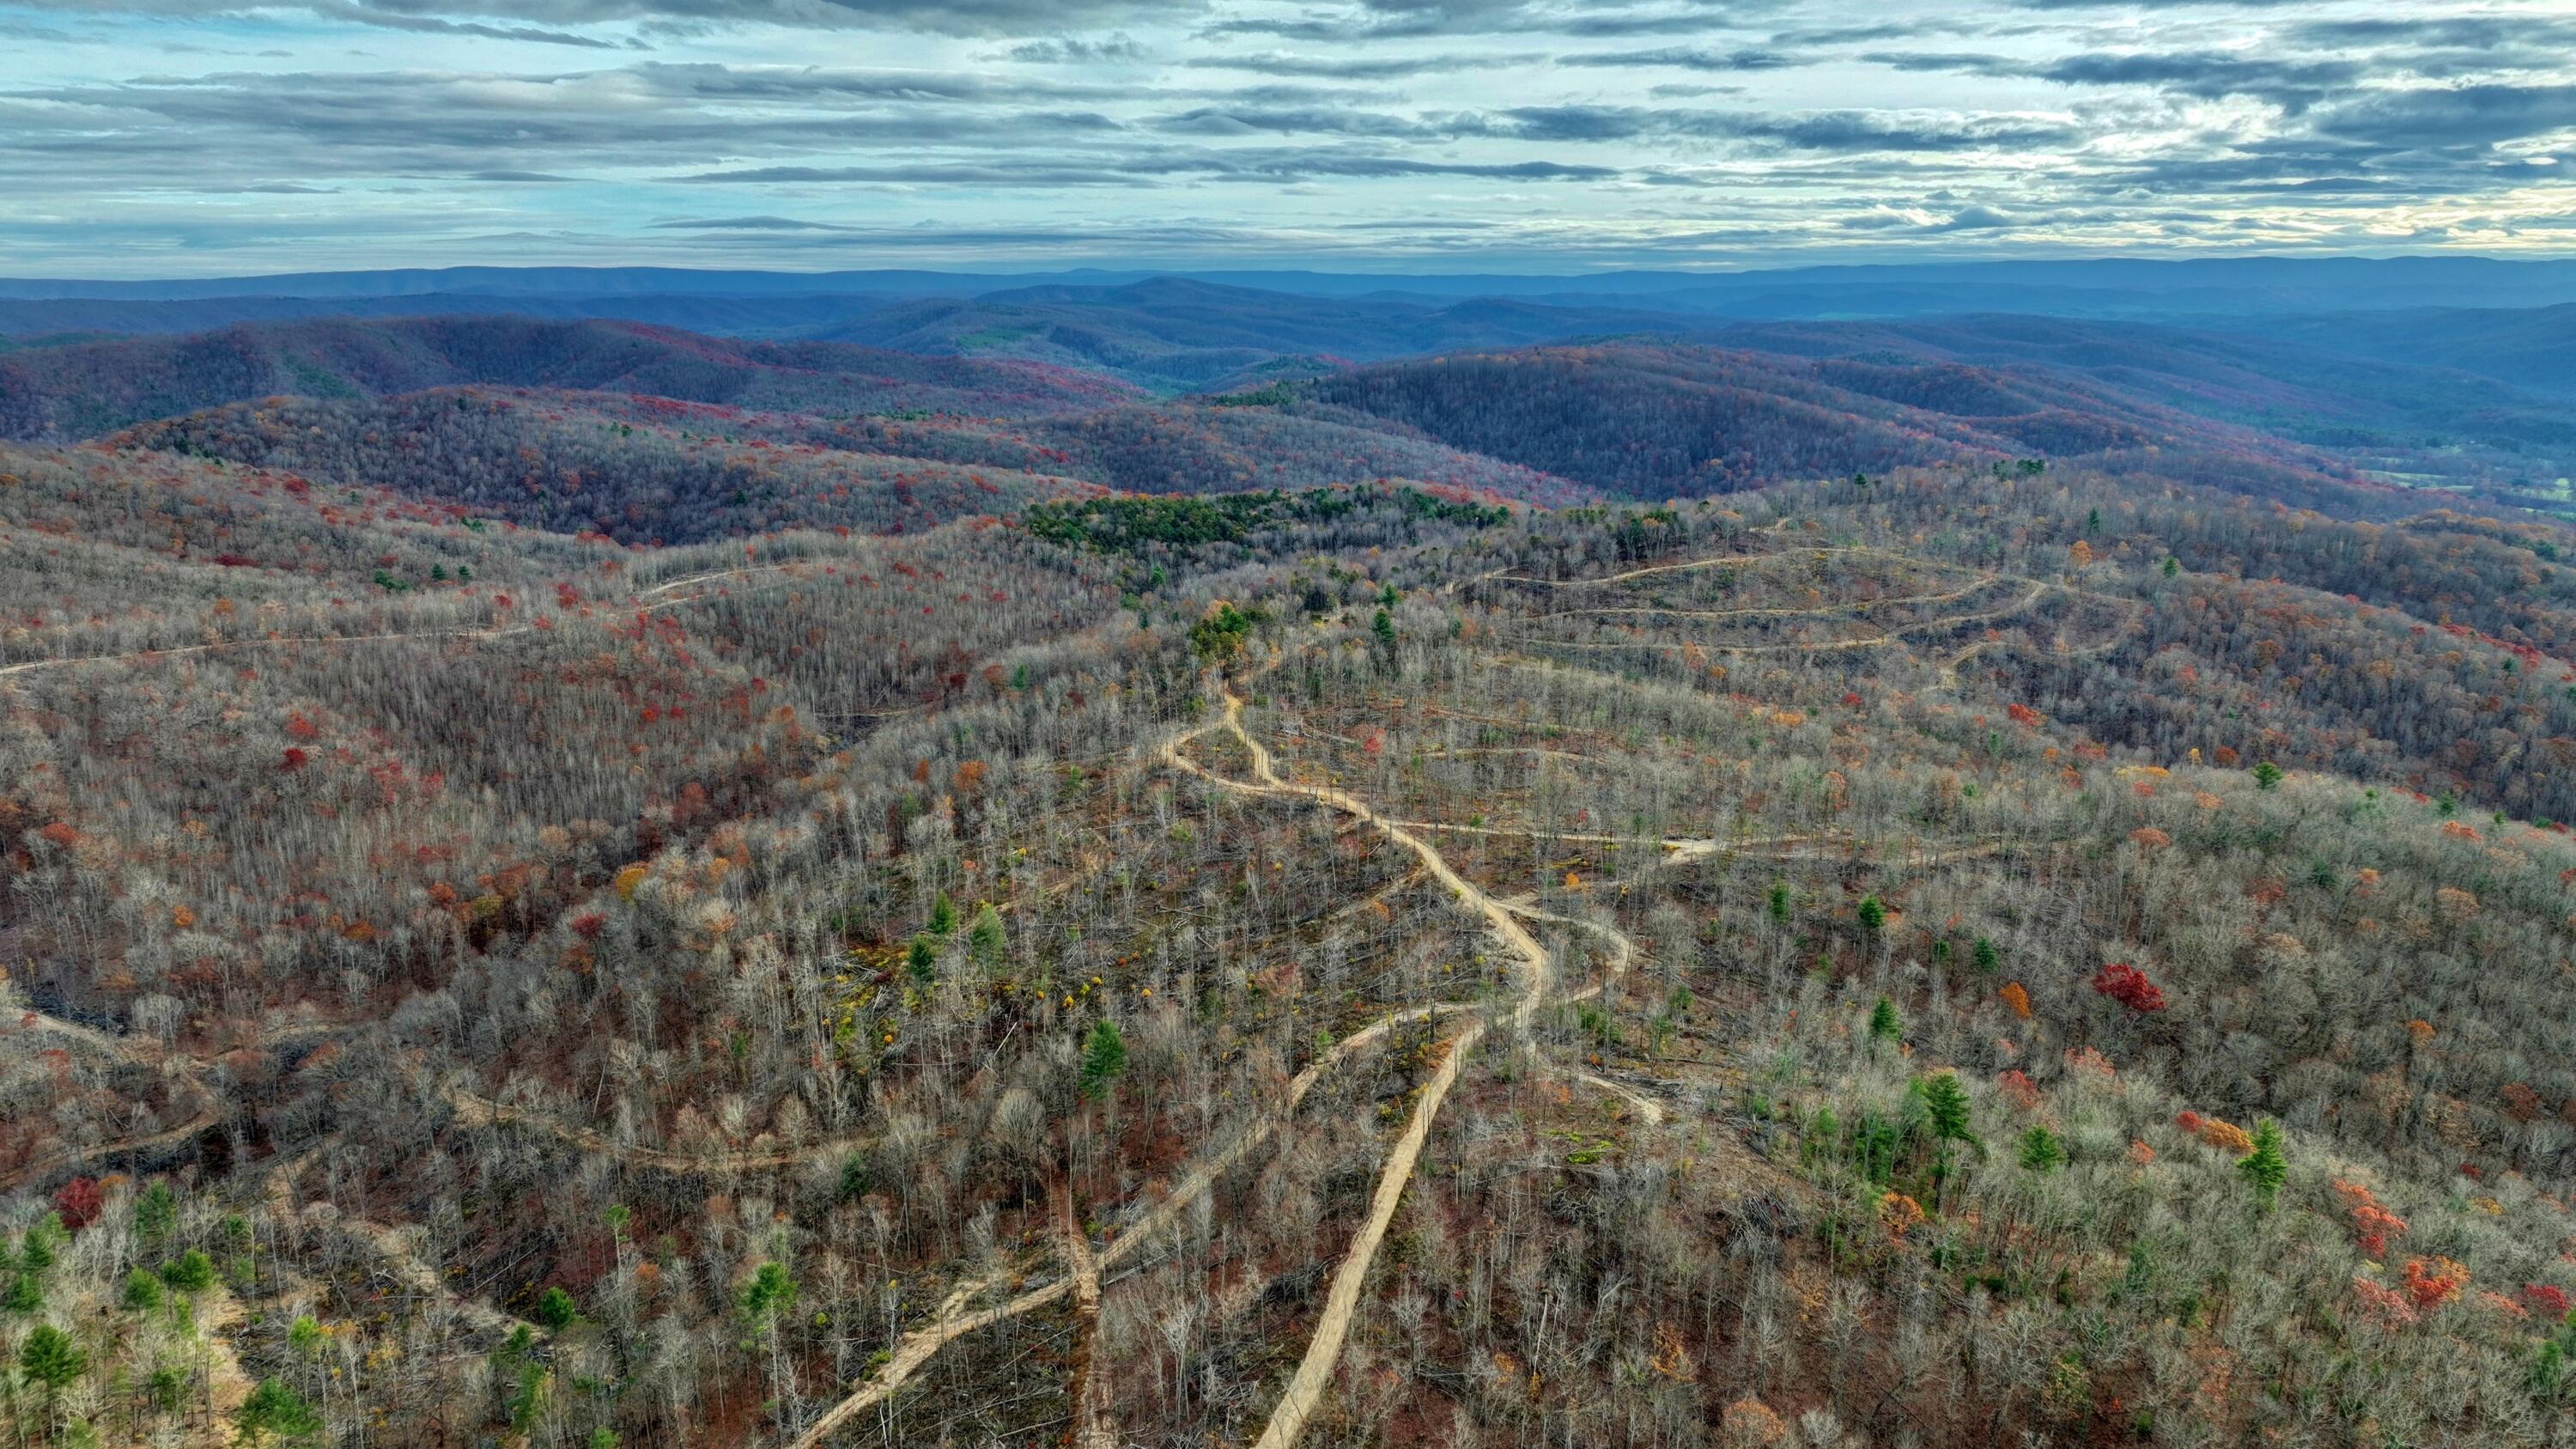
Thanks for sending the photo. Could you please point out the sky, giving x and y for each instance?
(166, 138)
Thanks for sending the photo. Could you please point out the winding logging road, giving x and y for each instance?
(179, 1070)
(958, 1316)
(476, 1110)
(659, 596)
(1305, 1391)
(1314, 1373)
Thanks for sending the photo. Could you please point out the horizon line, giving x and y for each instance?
(1276, 269)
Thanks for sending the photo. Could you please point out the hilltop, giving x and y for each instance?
(84, 388)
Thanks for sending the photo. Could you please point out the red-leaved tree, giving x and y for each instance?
(2129, 986)
(79, 1201)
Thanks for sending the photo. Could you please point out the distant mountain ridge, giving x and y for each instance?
(95, 387)
(2324, 385)
(2511, 322)
(1495, 396)
(1180, 334)
(1657, 420)
(2533, 347)
(2309, 283)
(734, 316)
(571, 462)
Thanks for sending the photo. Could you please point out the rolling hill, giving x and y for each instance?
(1180, 334)
(640, 468)
(2528, 347)
(570, 463)
(1656, 421)
(770, 316)
(2294, 379)
(2462, 398)
(2088, 927)
(90, 388)
(1641, 417)
(2099, 286)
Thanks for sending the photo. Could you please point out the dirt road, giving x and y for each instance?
(1333, 1326)
(475, 1110)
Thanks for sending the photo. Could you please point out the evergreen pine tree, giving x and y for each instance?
(1103, 1059)
(276, 1413)
(190, 1272)
(986, 941)
(556, 1310)
(769, 1293)
(1884, 1023)
(1948, 1102)
(2265, 1167)
(49, 1357)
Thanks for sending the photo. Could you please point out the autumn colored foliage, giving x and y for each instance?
(2373, 1225)
(2224, 1135)
(1751, 1424)
(2129, 986)
(79, 1202)
(1900, 1214)
(645, 999)
(2432, 1284)
(2387, 1307)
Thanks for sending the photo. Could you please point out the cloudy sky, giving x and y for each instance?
(193, 137)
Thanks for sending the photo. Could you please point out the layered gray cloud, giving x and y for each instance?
(511, 18)
(1349, 67)
(2293, 85)
(1272, 165)
(1385, 20)
(1677, 57)
(1521, 131)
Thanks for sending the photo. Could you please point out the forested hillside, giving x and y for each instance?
(2472, 400)
(90, 388)
(2528, 347)
(1637, 418)
(1181, 334)
(1991, 951)
(644, 469)
(574, 463)
(1652, 421)
(580, 886)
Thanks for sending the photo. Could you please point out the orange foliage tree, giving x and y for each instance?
(2372, 1223)
(2434, 1284)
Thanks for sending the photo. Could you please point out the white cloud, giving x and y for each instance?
(1265, 130)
